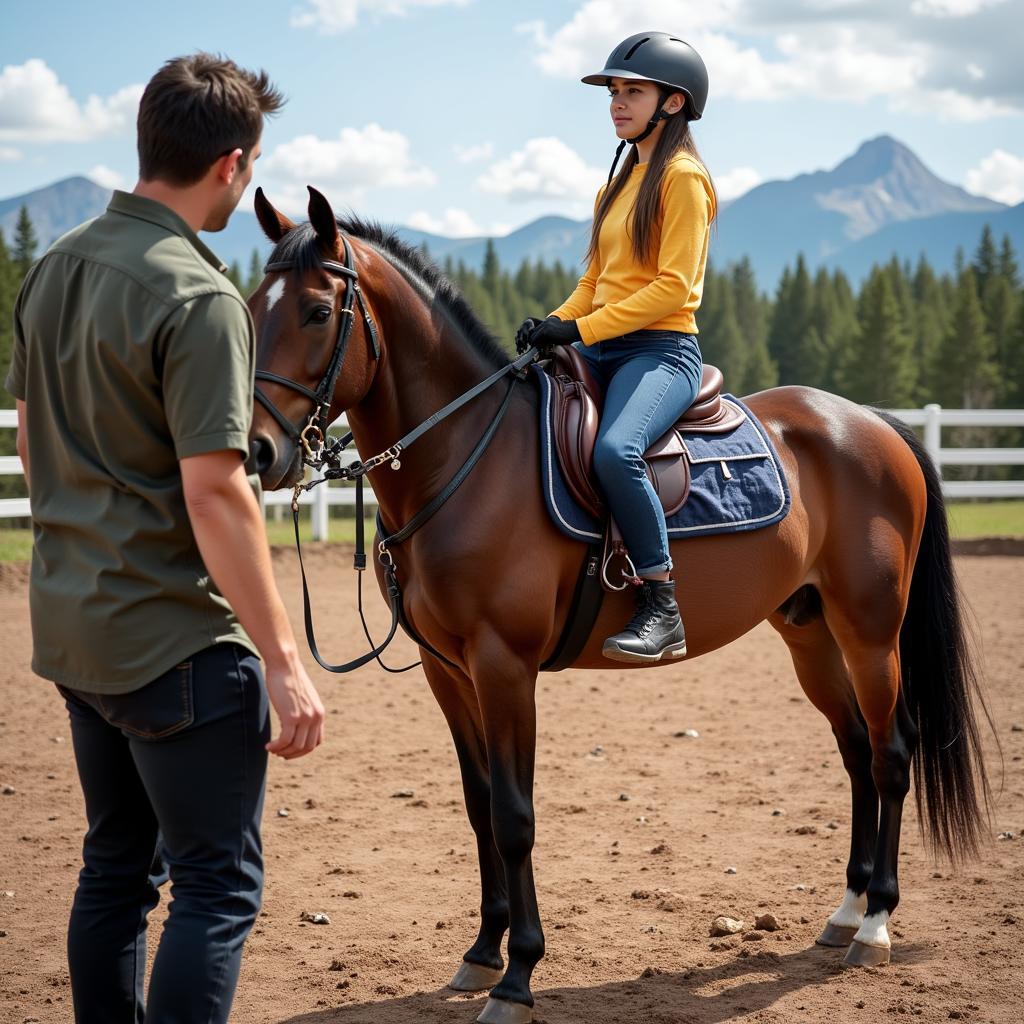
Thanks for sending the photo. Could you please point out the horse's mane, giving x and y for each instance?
(300, 246)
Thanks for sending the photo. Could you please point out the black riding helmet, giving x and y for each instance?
(658, 57)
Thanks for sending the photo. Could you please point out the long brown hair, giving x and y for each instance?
(675, 137)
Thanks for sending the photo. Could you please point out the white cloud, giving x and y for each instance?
(737, 182)
(468, 154)
(999, 176)
(828, 49)
(453, 223)
(106, 177)
(8, 154)
(334, 16)
(543, 168)
(347, 166)
(950, 8)
(35, 106)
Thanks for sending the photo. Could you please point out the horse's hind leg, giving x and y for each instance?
(482, 965)
(823, 676)
(866, 621)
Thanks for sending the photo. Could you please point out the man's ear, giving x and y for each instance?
(229, 165)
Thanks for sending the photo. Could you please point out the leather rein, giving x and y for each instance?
(317, 454)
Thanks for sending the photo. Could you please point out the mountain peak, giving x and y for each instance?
(877, 158)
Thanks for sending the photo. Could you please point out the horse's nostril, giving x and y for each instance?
(261, 454)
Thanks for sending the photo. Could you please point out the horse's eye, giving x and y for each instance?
(320, 315)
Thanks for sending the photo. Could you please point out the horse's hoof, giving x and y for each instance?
(501, 1011)
(860, 954)
(837, 935)
(475, 977)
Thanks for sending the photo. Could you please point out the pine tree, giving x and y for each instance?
(751, 311)
(492, 268)
(844, 330)
(797, 350)
(25, 243)
(1008, 262)
(999, 303)
(964, 375)
(986, 259)
(234, 275)
(255, 275)
(8, 292)
(1013, 369)
(880, 370)
(927, 326)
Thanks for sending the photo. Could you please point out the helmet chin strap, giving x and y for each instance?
(659, 115)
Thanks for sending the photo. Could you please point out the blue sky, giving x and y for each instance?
(467, 116)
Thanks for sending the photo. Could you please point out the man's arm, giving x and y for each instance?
(21, 440)
(229, 530)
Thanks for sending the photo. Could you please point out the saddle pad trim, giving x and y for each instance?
(584, 528)
(550, 455)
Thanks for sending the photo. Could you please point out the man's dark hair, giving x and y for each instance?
(195, 110)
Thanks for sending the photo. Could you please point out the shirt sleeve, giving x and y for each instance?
(15, 382)
(581, 302)
(687, 209)
(207, 375)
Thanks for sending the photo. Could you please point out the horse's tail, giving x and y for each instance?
(941, 683)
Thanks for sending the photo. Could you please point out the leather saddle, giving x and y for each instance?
(578, 399)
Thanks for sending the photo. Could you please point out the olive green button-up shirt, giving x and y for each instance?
(132, 350)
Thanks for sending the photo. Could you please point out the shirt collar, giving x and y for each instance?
(150, 210)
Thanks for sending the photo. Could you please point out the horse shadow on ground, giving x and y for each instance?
(750, 982)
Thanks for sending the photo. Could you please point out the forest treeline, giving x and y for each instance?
(906, 337)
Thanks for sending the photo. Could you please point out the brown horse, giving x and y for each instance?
(857, 578)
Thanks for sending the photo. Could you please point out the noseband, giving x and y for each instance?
(311, 436)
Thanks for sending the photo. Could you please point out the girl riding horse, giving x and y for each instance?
(632, 313)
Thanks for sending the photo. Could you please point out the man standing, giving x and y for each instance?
(151, 588)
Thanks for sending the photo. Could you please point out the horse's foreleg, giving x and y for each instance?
(823, 676)
(482, 964)
(506, 689)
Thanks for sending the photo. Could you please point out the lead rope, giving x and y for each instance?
(357, 472)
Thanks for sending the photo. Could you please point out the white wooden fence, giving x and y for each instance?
(932, 417)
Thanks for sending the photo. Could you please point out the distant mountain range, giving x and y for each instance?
(880, 202)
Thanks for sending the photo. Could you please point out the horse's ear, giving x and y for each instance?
(275, 225)
(321, 216)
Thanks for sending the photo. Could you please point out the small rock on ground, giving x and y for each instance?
(726, 926)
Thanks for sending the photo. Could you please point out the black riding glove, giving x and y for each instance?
(554, 332)
(526, 328)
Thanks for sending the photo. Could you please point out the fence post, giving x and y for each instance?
(319, 512)
(933, 434)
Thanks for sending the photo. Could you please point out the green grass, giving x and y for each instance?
(966, 519)
(986, 519)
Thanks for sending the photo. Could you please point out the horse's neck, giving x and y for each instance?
(425, 368)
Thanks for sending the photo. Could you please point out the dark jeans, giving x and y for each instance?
(173, 776)
(650, 378)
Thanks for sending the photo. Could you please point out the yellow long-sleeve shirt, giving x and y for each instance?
(617, 295)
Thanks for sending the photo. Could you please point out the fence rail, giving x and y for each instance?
(932, 418)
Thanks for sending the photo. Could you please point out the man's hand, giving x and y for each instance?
(299, 708)
(229, 530)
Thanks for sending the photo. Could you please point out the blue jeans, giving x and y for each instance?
(650, 379)
(173, 777)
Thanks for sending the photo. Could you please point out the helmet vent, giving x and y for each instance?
(635, 47)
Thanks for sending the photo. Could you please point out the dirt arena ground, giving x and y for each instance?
(637, 826)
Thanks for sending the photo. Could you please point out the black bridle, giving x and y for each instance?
(311, 440)
(311, 437)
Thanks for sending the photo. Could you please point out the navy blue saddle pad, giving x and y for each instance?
(737, 482)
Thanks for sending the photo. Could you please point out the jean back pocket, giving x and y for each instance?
(158, 709)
